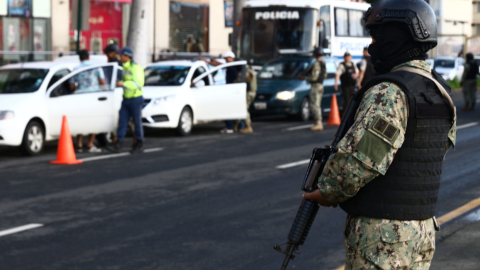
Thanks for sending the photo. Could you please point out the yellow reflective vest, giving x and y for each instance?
(133, 80)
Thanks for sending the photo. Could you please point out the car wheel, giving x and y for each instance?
(185, 123)
(304, 113)
(33, 139)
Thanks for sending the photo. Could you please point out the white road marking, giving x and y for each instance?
(298, 127)
(119, 155)
(20, 229)
(293, 164)
(468, 125)
(153, 150)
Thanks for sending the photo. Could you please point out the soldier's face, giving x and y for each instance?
(373, 40)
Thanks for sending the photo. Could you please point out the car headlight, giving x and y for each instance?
(6, 115)
(158, 101)
(285, 95)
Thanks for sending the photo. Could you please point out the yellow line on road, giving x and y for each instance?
(458, 212)
(449, 216)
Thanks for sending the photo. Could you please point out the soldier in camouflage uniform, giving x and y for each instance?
(385, 173)
(317, 75)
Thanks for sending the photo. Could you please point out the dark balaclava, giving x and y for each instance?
(393, 45)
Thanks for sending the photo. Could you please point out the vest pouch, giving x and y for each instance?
(429, 105)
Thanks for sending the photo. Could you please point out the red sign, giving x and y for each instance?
(105, 25)
(120, 1)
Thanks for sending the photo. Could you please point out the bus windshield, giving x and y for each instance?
(267, 31)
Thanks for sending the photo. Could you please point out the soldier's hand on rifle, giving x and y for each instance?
(335, 87)
(302, 78)
(316, 196)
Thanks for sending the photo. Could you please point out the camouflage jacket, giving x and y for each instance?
(349, 170)
(315, 72)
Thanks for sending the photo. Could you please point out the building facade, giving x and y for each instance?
(25, 26)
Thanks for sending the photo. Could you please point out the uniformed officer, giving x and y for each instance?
(317, 75)
(251, 80)
(347, 73)
(469, 83)
(387, 168)
(132, 83)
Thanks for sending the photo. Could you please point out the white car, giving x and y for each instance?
(449, 67)
(35, 96)
(179, 94)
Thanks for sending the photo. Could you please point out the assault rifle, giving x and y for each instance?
(308, 208)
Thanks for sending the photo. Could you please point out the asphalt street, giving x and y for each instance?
(207, 201)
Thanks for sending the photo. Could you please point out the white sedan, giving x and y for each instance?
(179, 94)
(449, 67)
(35, 96)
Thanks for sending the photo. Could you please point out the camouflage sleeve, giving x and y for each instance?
(369, 146)
(315, 73)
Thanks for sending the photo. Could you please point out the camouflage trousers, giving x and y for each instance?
(250, 97)
(316, 93)
(389, 244)
(470, 91)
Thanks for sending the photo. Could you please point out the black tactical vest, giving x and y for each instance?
(369, 71)
(323, 72)
(472, 71)
(346, 78)
(408, 191)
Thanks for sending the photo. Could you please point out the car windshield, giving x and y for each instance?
(166, 75)
(442, 63)
(16, 81)
(289, 68)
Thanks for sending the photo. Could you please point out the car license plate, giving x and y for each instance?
(260, 105)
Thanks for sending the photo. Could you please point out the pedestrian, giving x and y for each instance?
(133, 81)
(469, 83)
(347, 73)
(251, 80)
(198, 46)
(385, 176)
(318, 72)
(366, 69)
(111, 51)
(231, 77)
(87, 81)
(189, 44)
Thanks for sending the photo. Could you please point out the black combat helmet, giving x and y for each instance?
(318, 51)
(416, 14)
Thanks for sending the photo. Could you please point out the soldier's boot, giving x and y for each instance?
(467, 107)
(247, 129)
(318, 126)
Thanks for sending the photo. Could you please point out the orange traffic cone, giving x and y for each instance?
(334, 117)
(65, 152)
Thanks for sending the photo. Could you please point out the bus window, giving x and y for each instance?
(341, 22)
(325, 28)
(348, 22)
(356, 24)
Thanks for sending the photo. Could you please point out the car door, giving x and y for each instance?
(86, 99)
(220, 101)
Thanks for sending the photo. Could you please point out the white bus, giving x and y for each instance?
(271, 28)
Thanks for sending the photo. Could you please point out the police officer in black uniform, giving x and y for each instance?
(347, 73)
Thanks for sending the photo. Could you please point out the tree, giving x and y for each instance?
(137, 37)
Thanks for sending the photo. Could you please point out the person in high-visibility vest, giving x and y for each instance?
(132, 83)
